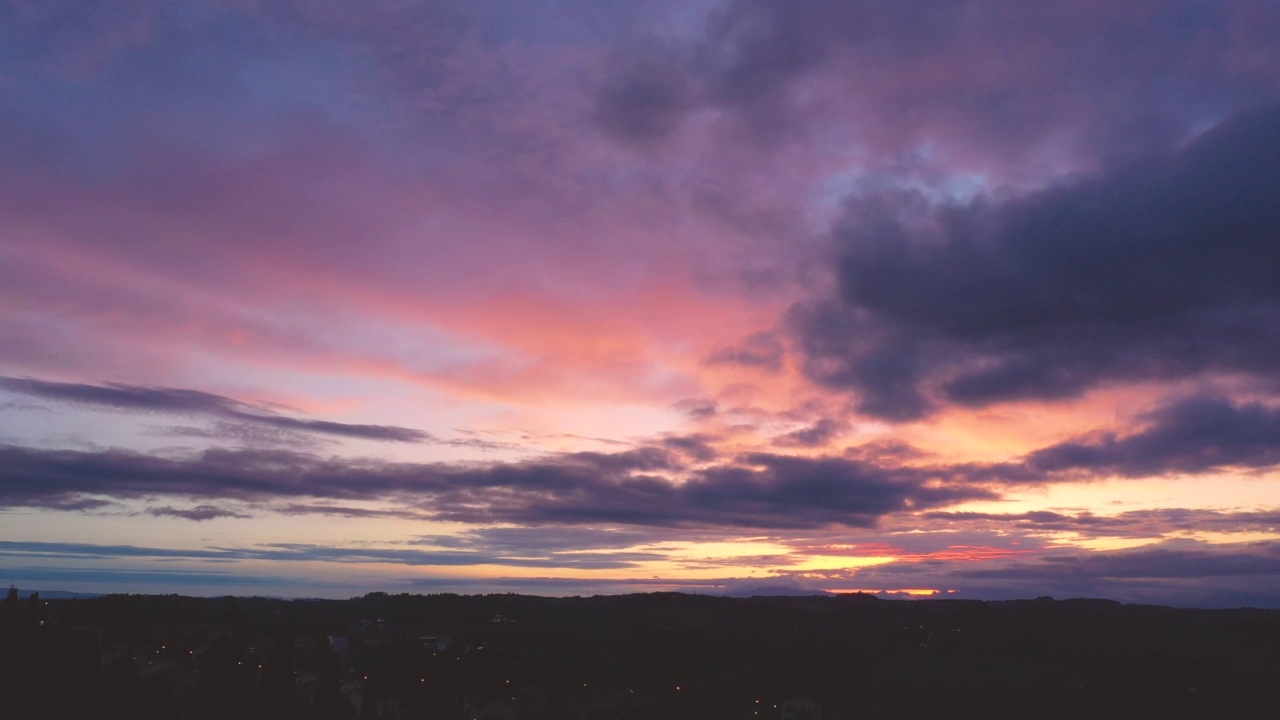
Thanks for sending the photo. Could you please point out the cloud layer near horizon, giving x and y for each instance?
(664, 485)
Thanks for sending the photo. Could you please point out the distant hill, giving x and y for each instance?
(690, 656)
(776, 591)
(57, 594)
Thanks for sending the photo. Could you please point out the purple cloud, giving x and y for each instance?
(1133, 523)
(1158, 270)
(199, 513)
(194, 402)
(630, 488)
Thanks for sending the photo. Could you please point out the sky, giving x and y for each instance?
(967, 299)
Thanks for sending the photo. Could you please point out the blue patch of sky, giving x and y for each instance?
(144, 581)
(209, 80)
(916, 172)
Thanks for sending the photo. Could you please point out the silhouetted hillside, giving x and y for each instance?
(662, 655)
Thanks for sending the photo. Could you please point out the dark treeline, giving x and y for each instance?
(634, 657)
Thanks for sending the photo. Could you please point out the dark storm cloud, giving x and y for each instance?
(1164, 269)
(195, 403)
(630, 488)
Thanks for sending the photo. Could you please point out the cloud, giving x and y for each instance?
(1133, 523)
(244, 434)
(1187, 436)
(1183, 573)
(193, 402)
(295, 552)
(522, 540)
(1002, 79)
(1190, 436)
(696, 447)
(1160, 270)
(347, 511)
(762, 350)
(1255, 559)
(646, 486)
(698, 408)
(129, 580)
(561, 586)
(82, 551)
(811, 492)
(644, 99)
(198, 513)
(305, 552)
(816, 435)
(1175, 572)
(679, 481)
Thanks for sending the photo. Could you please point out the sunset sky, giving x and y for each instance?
(319, 297)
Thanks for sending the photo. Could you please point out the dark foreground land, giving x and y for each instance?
(642, 657)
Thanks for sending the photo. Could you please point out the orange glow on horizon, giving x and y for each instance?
(892, 553)
(913, 592)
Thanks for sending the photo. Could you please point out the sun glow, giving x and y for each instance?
(913, 592)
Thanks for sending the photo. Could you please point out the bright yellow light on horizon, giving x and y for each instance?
(914, 592)
(840, 562)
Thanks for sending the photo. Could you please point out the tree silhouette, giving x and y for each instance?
(330, 705)
(225, 687)
(278, 689)
(369, 705)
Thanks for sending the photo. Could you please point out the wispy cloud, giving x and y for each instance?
(197, 513)
(196, 403)
(301, 552)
